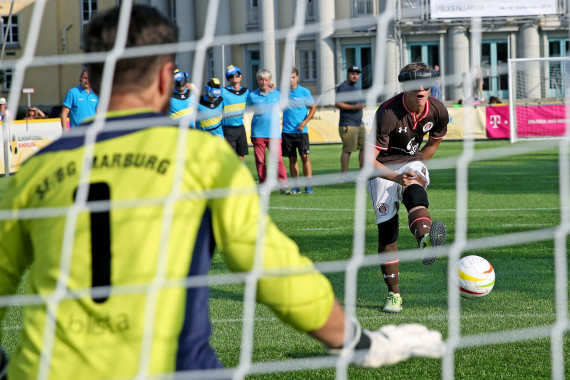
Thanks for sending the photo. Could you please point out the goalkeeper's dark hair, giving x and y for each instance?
(147, 27)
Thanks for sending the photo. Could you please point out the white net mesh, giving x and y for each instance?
(532, 83)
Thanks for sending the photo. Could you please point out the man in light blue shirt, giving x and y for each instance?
(265, 127)
(79, 104)
(295, 132)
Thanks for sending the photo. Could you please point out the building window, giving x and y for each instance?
(210, 65)
(557, 82)
(310, 11)
(308, 65)
(88, 10)
(13, 34)
(254, 64)
(252, 13)
(427, 52)
(7, 85)
(362, 8)
(494, 58)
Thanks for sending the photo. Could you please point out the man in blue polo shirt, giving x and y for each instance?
(265, 127)
(301, 109)
(79, 104)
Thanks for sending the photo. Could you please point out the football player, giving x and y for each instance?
(235, 101)
(182, 100)
(210, 108)
(401, 123)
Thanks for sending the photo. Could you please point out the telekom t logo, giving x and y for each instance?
(495, 120)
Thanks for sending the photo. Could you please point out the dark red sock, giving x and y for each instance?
(419, 221)
(390, 265)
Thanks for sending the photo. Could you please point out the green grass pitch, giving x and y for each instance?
(510, 194)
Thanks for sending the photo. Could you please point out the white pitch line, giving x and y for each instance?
(313, 209)
(322, 229)
(406, 227)
(334, 228)
(434, 210)
(432, 316)
(527, 225)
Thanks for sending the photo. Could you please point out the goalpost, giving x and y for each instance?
(538, 88)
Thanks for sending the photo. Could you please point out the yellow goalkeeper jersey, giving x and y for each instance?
(123, 261)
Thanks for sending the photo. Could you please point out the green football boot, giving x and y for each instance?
(393, 303)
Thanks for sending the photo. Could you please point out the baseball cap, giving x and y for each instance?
(2, 100)
(353, 69)
(232, 70)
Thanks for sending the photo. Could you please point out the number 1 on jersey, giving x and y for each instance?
(100, 239)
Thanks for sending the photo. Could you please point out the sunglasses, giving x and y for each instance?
(237, 75)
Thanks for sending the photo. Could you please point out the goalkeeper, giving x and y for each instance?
(123, 257)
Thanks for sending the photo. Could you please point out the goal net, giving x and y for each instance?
(538, 90)
(250, 341)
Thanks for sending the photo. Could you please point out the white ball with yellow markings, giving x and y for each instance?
(475, 277)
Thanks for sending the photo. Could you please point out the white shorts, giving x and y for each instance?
(386, 195)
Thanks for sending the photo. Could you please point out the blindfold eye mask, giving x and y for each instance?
(213, 91)
(213, 88)
(415, 80)
(182, 82)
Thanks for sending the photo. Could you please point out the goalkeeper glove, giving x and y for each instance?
(391, 344)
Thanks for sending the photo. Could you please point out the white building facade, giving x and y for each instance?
(335, 34)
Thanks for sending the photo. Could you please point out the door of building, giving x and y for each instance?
(494, 58)
(426, 52)
(361, 56)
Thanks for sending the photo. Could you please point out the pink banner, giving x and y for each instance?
(541, 121)
(532, 121)
(497, 122)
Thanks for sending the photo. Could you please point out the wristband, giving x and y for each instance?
(360, 340)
